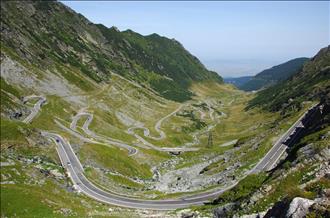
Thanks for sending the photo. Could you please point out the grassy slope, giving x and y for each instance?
(285, 182)
(114, 160)
(46, 199)
(111, 158)
(311, 83)
(238, 124)
(68, 40)
(233, 126)
(273, 75)
(12, 132)
(282, 183)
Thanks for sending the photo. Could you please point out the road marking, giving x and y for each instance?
(111, 198)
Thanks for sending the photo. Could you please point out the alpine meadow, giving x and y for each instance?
(101, 121)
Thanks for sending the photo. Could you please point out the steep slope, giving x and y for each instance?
(273, 75)
(74, 73)
(298, 186)
(302, 175)
(49, 51)
(49, 34)
(311, 83)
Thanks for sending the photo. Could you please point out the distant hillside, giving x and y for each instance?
(238, 81)
(51, 35)
(273, 75)
(310, 83)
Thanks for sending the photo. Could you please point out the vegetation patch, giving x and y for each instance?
(243, 189)
(114, 160)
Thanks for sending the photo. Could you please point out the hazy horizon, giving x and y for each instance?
(240, 67)
(232, 38)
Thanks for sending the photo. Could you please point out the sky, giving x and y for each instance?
(232, 38)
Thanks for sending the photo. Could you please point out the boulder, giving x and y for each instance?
(299, 207)
(223, 211)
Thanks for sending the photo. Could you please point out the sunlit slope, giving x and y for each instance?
(216, 110)
(120, 119)
(274, 75)
(124, 111)
(312, 82)
(239, 137)
(66, 39)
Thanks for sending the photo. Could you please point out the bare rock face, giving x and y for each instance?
(223, 211)
(299, 207)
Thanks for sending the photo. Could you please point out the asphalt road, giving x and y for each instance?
(35, 108)
(146, 131)
(108, 140)
(76, 172)
(274, 154)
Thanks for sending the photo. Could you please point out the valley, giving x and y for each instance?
(75, 171)
(98, 122)
(155, 153)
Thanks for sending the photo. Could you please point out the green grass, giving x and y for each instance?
(243, 189)
(13, 131)
(114, 160)
(9, 88)
(124, 181)
(174, 135)
(191, 158)
(316, 139)
(74, 77)
(54, 107)
(22, 200)
(105, 123)
(7, 102)
(286, 187)
(142, 106)
(29, 201)
(319, 185)
(239, 123)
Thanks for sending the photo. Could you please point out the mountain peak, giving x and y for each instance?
(114, 28)
(68, 38)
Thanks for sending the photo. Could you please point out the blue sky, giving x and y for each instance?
(233, 38)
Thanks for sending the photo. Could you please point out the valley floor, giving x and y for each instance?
(132, 142)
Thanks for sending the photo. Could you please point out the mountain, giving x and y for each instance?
(284, 192)
(49, 34)
(85, 107)
(237, 81)
(273, 75)
(312, 82)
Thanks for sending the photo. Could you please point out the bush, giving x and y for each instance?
(243, 189)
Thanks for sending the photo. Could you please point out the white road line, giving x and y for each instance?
(103, 196)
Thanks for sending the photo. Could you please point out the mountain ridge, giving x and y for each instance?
(273, 75)
(310, 83)
(54, 33)
(103, 91)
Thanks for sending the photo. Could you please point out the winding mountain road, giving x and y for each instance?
(35, 108)
(162, 134)
(107, 140)
(75, 171)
